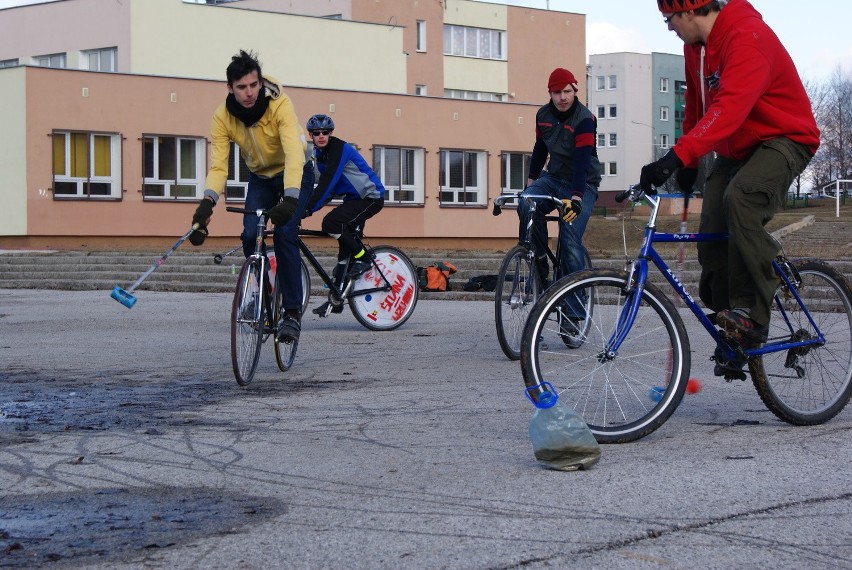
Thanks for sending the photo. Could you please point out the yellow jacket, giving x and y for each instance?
(274, 144)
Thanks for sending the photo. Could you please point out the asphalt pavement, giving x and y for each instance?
(126, 443)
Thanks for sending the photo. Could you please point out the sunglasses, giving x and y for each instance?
(318, 133)
(668, 20)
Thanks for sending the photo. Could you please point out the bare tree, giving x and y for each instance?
(832, 106)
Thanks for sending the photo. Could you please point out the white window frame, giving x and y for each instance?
(664, 113)
(174, 188)
(508, 165)
(414, 176)
(612, 82)
(465, 41)
(664, 84)
(475, 194)
(601, 83)
(601, 111)
(474, 95)
(613, 111)
(101, 57)
(8, 63)
(664, 141)
(82, 184)
(421, 35)
(613, 139)
(236, 186)
(54, 60)
(420, 90)
(612, 169)
(601, 142)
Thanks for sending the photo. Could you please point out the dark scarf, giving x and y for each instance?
(247, 116)
(563, 116)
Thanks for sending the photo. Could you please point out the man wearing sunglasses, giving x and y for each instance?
(343, 174)
(746, 103)
(261, 120)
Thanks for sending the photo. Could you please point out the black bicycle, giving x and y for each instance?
(521, 280)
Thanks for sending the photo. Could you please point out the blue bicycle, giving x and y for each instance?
(630, 371)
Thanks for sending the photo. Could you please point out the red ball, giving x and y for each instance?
(693, 386)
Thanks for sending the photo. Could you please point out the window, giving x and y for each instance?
(664, 113)
(99, 59)
(8, 63)
(421, 35)
(420, 90)
(52, 60)
(613, 139)
(473, 95)
(664, 141)
(601, 140)
(612, 82)
(601, 112)
(172, 167)
(462, 177)
(238, 175)
(613, 169)
(601, 82)
(664, 84)
(514, 171)
(401, 172)
(86, 165)
(474, 42)
(613, 111)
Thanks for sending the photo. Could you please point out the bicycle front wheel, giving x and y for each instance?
(811, 384)
(517, 290)
(285, 351)
(622, 394)
(385, 310)
(247, 322)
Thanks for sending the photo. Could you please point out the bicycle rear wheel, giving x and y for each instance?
(808, 385)
(385, 310)
(247, 322)
(624, 395)
(517, 290)
(285, 351)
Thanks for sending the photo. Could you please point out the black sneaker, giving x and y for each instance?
(322, 310)
(289, 328)
(359, 267)
(744, 330)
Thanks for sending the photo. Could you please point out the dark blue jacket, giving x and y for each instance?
(343, 174)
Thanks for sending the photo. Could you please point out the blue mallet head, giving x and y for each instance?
(123, 297)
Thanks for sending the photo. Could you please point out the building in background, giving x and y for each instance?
(639, 101)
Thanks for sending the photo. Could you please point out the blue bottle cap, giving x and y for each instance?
(546, 400)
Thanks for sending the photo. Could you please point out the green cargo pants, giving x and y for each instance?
(740, 198)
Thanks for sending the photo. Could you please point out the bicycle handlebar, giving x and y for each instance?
(259, 212)
(503, 198)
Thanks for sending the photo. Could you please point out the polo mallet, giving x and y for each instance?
(125, 296)
(680, 254)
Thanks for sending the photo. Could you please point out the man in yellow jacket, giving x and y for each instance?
(261, 120)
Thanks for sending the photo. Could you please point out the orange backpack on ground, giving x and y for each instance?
(436, 277)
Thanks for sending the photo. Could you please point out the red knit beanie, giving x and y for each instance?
(673, 6)
(561, 78)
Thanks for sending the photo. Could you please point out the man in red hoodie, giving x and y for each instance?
(746, 102)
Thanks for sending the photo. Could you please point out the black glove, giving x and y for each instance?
(283, 211)
(571, 210)
(198, 236)
(686, 178)
(203, 212)
(655, 174)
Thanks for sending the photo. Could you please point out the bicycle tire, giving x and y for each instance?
(285, 351)
(517, 290)
(572, 330)
(247, 322)
(624, 396)
(306, 286)
(808, 386)
(385, 310)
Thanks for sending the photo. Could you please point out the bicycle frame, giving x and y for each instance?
(531, 199)
(639, 275)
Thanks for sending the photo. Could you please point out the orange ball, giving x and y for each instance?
(693, 386)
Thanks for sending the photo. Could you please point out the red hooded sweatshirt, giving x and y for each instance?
(752, 91)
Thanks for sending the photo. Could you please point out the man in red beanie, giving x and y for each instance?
(745, 101)
(566, 132)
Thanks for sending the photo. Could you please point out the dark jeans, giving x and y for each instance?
(740, 198)
(344, 221)
(265, 193)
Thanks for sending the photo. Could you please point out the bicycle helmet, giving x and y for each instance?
(320, 123)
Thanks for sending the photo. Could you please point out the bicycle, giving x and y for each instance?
(381, 299)
(256, 309)
(521, 280)
(632, 369)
